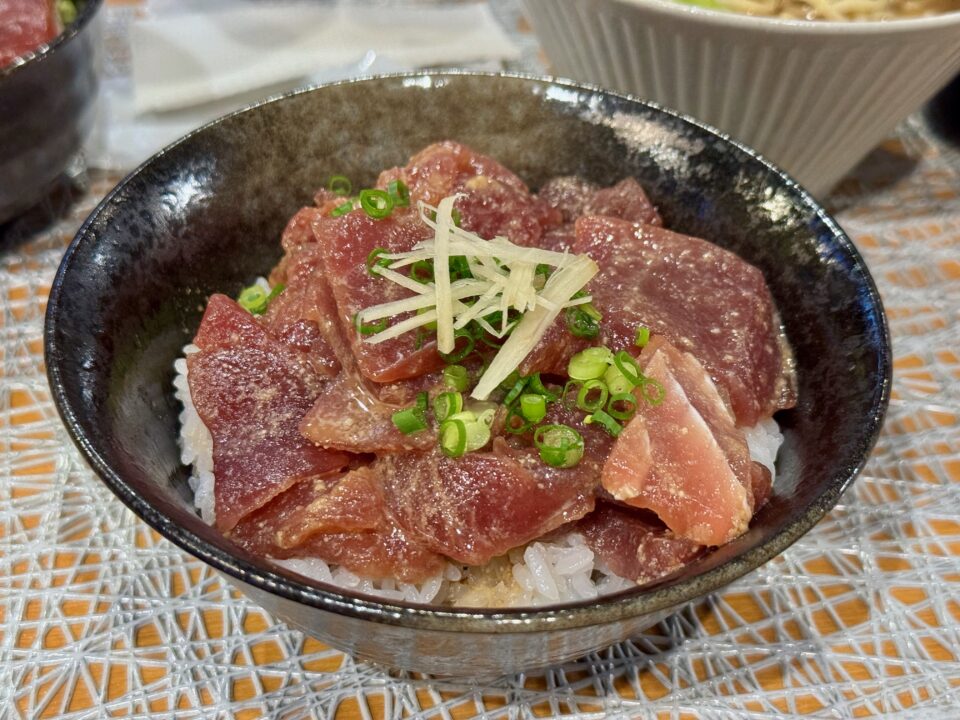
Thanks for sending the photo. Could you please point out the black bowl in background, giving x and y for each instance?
(206, 214)
(46, 111)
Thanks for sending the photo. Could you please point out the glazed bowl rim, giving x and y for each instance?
(836, 29)
(47, 49)
(629, 603)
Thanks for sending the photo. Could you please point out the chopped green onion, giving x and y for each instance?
(453, 438)
(581, 321)
(571, 386)
(67, 11)
(652, 391)
(467, 416)
(616, 381)
(458, 355)
(478, 435)
(536, 386)
(432, 325)
(589, 364)
(643, 336)
(617, 400)
(541, 275)
(369, 328)
(590, 311)
(423, 400)
(455, 215)
(559, 445)
(515, 391)
(255, 299)
(456, 377)
(533, 407)
(510, 422)
(342, 209)
(629, 367)
(585, 403)
(410, 421)
(510, 381)
(398, 190)
(376, 203)
(374, 260)
(340, 185)
(422, 271)
(606, 421)
(459, 267)
(447, 404)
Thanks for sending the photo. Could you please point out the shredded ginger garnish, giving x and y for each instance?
(504, 278)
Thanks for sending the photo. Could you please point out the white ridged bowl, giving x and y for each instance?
(812, 96)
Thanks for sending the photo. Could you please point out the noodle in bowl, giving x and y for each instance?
(813, 97)
(832, 10)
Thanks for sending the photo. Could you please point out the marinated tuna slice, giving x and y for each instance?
(596, 442)
(705, 300)
(554, 350)
(292, 316)
(495, 201)
(339, 520)
(24, 26)
(625, 200)
(569, 194)
(388, 553)
(299, 229)
(348, 415)
(251, 391)
(761, 485)
(712, 407)
(482, 504)
(349, 502)
(345, 244)
(575, 197)
(684, 459)
(633, 546)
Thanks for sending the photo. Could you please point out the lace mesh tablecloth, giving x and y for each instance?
(100, 617)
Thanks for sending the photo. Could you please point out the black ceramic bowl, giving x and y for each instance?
(206, 214)
(46, 111)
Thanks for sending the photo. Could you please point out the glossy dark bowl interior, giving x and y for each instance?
(46, 111)
(206, 214)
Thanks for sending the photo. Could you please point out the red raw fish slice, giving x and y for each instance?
(251, 392)
(483, 504)
(291, 316)
(389, 553)
(668, 459)
(632, 546)
(495, 202)
(625, 200)
(350, 502)
(575, 197)
(376, 548)
(348, 415)
(345, 243)
(705, 300)
(24, 26)
(569, 194)
(712, 407)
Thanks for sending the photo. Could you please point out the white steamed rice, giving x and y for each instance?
(562, 569)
